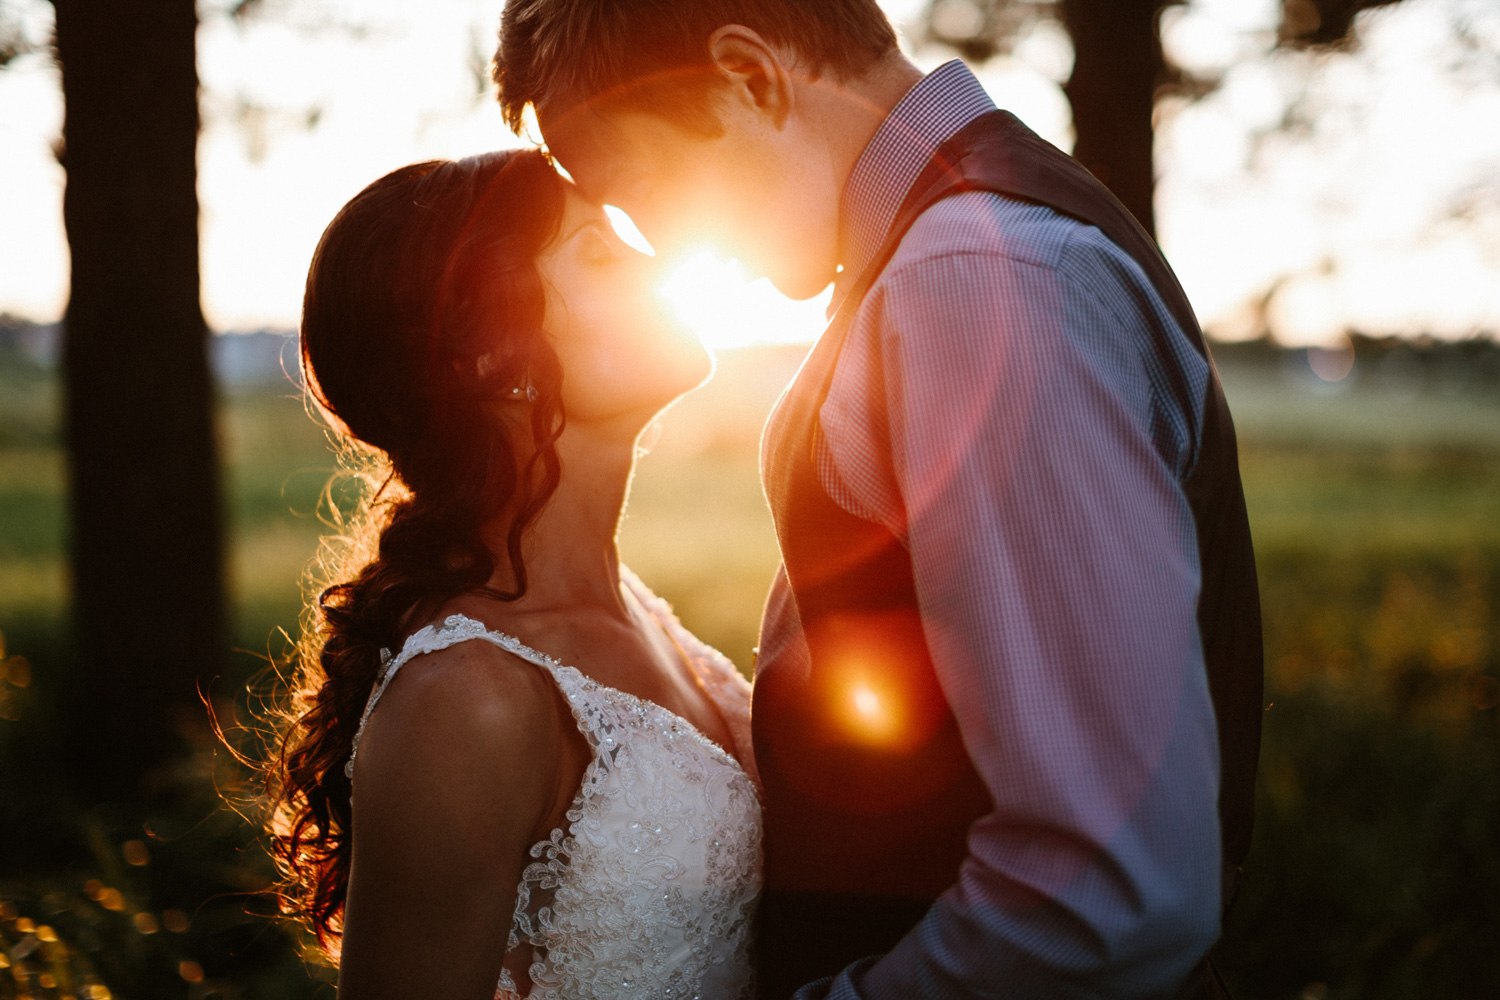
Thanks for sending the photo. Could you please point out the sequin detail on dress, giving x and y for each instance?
(650, 889)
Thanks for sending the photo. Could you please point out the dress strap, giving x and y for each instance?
(430, 639)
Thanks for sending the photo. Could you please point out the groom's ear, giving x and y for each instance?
(753, 71)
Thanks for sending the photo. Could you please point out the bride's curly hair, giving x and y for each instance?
(423, 313)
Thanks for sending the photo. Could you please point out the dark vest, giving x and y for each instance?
(869, 792)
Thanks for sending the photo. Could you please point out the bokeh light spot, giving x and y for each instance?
(17, 670)
(1334, 362)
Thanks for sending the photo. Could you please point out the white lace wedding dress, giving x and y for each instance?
(650, 890)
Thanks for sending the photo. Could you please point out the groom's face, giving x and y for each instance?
(760, 189)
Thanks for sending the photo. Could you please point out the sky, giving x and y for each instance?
(1311, 193)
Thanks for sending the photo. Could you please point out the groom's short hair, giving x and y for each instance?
(572, 50)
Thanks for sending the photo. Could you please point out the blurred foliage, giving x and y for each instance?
(1306, 23)
(1376, 507)
(1374, 872)
(981, 29)
(168, 907)
(16, 39)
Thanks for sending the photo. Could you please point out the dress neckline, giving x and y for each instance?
(549, 662)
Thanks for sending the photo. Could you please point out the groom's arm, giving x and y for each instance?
(1036, 454)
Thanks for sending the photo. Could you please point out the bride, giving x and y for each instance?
(508, 770)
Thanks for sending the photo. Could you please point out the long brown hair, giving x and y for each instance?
(423, 310)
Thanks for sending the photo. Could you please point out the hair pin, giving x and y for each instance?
(527, 393)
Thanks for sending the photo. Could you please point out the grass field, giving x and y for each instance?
(1376, 513)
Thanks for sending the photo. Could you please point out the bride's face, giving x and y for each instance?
(624, 353)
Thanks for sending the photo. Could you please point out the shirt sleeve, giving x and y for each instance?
(1036, 472)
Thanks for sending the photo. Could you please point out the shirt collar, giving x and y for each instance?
(941, 104)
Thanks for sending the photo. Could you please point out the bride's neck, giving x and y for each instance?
(570, 550)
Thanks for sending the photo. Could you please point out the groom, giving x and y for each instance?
(1007, 700)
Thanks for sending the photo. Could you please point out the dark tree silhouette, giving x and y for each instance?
(146, 545)
(1117, 68)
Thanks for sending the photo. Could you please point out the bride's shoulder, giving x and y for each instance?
(470, 677)
(463, 713)
(457, 774)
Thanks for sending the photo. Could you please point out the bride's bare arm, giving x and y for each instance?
(459, 771)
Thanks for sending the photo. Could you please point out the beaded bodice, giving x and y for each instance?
(650, 889)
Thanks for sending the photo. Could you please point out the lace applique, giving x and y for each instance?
(725, 685)
(650, 890)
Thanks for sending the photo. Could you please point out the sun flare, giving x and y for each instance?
(719, 302)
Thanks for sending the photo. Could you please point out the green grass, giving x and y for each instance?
(1376, 515)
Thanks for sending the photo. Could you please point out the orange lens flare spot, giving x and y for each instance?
(871, 713)
(17, 670)
(135, 853)
(867, 703)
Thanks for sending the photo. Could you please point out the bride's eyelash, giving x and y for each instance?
(596, 246)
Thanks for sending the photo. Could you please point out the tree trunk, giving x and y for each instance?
(146, 549)
(1117, 66)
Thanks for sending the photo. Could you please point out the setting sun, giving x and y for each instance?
(725, 308)
(719, 302)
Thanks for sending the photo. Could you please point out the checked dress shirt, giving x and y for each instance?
(1004, 405)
